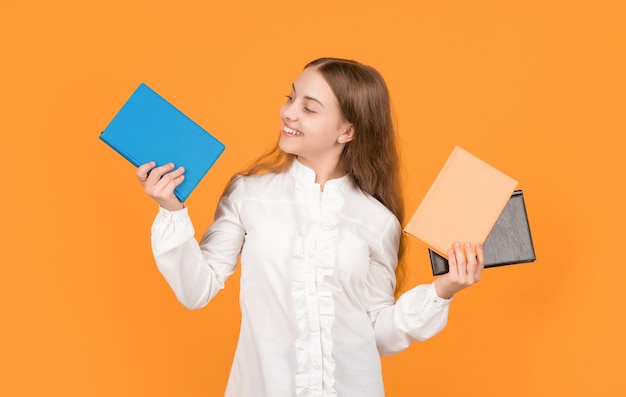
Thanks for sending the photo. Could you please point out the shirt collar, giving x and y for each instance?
(303, 174)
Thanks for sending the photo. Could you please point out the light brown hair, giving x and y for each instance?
(371, 159)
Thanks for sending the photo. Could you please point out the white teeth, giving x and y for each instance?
(291, 131)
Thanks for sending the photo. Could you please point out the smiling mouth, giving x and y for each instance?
(291, 131)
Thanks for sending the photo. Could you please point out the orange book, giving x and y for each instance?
(463, 204)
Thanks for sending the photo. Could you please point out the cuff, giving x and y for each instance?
(174, 215)
(432, 294)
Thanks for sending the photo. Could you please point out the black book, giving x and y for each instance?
(509, 242)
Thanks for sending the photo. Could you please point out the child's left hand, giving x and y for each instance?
(465, 269)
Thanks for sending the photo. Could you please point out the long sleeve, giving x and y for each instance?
(417, 315)
(196, 272)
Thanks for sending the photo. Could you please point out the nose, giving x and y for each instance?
(288, 112)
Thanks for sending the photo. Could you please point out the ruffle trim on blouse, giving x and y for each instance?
(313, 262)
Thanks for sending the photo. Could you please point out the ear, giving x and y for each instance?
(348, 134)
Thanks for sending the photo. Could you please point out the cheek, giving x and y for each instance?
(332, 129)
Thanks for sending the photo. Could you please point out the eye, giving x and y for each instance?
(289, 98)
(308, 110)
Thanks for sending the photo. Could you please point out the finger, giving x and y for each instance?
(470, 255)
(171, 180)
(459, 261)
(480, 256)
(472, 261)
(143, 170)
(460, 254)
(452, 266)
(157, 173)
(475, 262)
(464, 256)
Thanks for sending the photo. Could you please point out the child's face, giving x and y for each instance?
(312, 121)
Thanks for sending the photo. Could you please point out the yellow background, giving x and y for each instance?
(536, 88)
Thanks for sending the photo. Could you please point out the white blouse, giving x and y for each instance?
(317, 283)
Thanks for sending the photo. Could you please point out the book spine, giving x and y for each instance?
(120, 151)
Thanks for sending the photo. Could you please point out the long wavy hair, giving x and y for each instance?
(371, 159)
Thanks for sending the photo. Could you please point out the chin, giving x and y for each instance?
(286, 147)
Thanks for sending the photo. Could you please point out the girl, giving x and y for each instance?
(317, 223)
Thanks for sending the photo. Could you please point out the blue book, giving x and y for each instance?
(149, 128)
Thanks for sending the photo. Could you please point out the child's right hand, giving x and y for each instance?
(160, 182)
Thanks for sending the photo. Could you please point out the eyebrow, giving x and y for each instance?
(293, 87)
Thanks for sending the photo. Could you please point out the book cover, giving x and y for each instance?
(463, 203)
(149, 128)
(509, 242)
